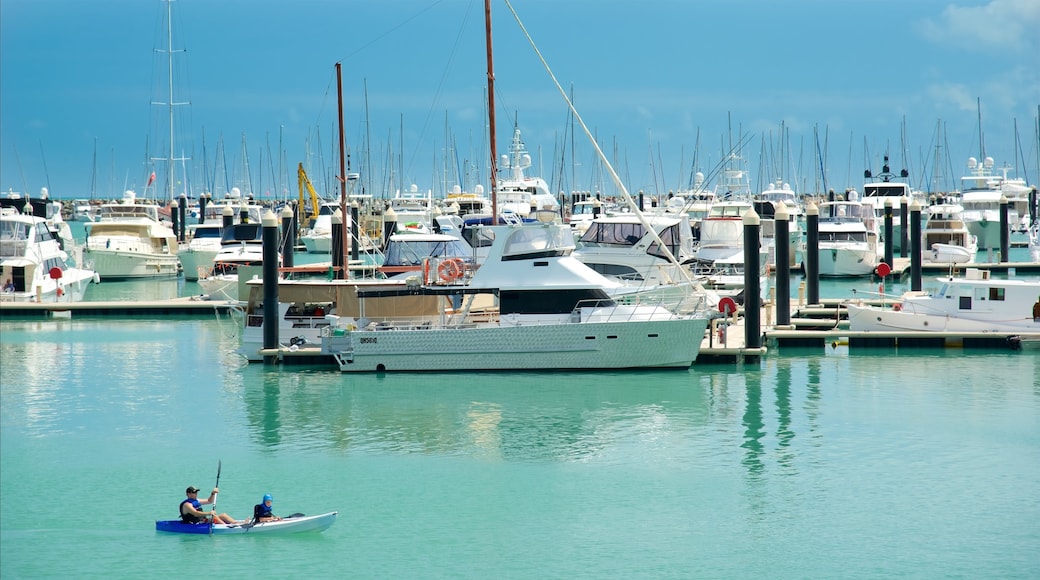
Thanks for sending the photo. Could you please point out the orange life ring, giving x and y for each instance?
(897, 307)
(450, 270)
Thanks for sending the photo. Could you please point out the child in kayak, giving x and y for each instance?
(262, 511)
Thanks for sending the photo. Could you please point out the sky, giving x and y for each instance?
(812, 92)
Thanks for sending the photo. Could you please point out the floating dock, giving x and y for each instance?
(176, 307)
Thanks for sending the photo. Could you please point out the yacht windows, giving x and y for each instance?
(996, 293)
(550, 301)
(843, 236)
(613, 234)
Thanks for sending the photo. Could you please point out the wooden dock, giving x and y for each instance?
(176, 307)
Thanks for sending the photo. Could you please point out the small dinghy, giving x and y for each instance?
(289, 525)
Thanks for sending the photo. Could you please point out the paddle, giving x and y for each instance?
(213, 506)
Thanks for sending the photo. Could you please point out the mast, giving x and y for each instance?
(491, 114)
(169, 57)
(342, 171)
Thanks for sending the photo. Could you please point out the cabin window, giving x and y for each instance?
(550, 301)
(613, 234)
(672, 238)
(965, 303)
(618, 270)
(996, 293)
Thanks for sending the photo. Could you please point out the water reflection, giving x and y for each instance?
(753, 428)
(784, 430)
(561, 416)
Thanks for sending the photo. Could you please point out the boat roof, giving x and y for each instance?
(535, 256)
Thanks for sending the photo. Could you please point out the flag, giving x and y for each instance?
(151, 179)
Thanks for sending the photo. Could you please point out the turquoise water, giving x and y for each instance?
(809, 465)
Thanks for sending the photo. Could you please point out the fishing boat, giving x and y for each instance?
(972, 303)
(550, 311)
(293, 524)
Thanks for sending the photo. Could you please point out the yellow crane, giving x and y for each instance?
(307, 214)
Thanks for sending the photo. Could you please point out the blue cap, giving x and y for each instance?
(267, 497)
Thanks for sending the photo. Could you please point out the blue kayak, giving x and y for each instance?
(289, 525)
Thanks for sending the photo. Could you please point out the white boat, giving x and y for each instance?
(128, 241)
(697, 204)
(553, 312)
(83, 211)
(621, 247)
(289, 525)
(318, 238)
(973, 303)
(766, 205)
(241, 245)
(722, 231)
(945, 238)
(980, 198)
(518, 193)
(463, 203)
(881, 191)
(33, 265)
(582, 214)
(197, 254)
(1034, 241)
(848, 239)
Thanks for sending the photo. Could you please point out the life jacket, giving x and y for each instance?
(189, 518)
(261, 510)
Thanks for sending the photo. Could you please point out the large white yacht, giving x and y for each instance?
(128, 241)
(33, 265)
(849, 239)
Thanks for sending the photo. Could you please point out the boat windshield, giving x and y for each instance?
(242, 233)
(539, 240)
(410, 252)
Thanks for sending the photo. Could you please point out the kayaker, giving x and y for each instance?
(262, 511)
(191, 508)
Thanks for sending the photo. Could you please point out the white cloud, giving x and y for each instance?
(1000, 24)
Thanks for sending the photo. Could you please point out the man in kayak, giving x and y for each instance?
(191, 508)
(262, 511)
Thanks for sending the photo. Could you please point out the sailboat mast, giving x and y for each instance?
(342, 169)
(169, 58)
(491, 114)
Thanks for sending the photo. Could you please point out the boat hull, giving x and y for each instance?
(290, 525)
(73, 286)
(871, 318)
(317, 244)
(196, 263)
(949, 254)
(847, 261)
(588, 346)
(120, 265)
